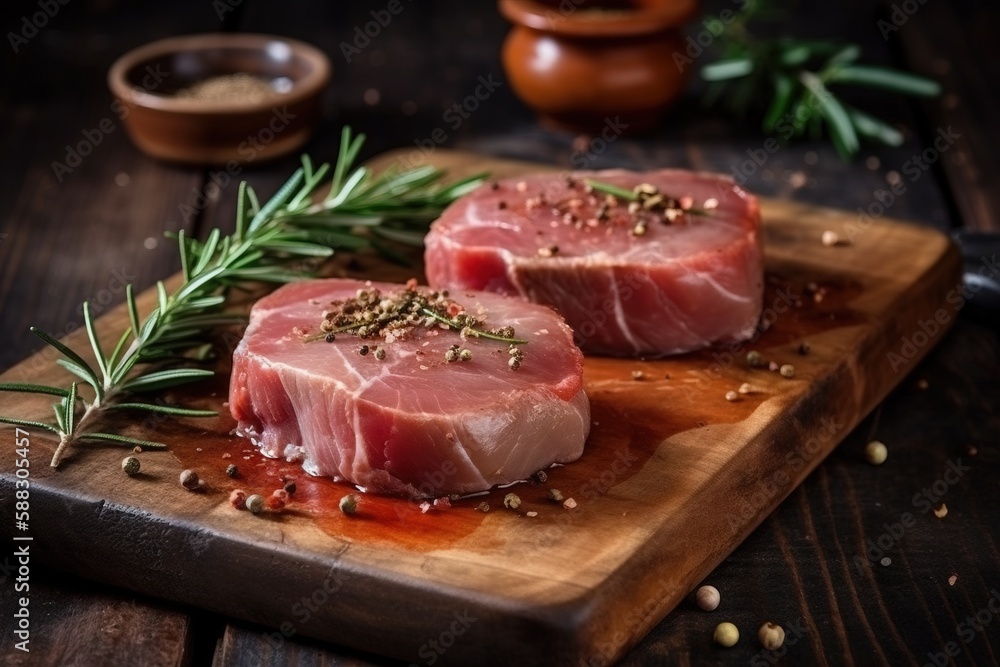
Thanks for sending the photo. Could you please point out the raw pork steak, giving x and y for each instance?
(401, 418)
(630, 279)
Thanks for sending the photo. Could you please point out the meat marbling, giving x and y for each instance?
(674, 288)
(412, 423)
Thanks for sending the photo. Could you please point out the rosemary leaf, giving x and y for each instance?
(84, 373)
(95, 343)
(133, 309)
(27, 388)
(727, 69)
(873, 128)
(165, 409)
(69, 402)
(182, 244)
(165, 379)
(121, 440)
(28, 423)
(113, 359)
(72, 356)
(613, 190)
(885, 79)
(207, 252)
(841, 129)
(277, 201)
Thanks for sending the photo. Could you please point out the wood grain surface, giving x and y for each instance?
(560, 588)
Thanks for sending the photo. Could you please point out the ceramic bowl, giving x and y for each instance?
(582, 64)
(147, 80)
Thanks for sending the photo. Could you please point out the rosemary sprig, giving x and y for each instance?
(611, 189)
(472, 331)
(278, 242)
(797, 76)
(649, 196)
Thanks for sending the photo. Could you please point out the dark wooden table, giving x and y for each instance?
(77, 237)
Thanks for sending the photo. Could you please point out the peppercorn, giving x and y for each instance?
(541, 476)
(708, 598)
(483, 507)
(255, 503)
(232, 470)
(451, 355)
(276, 501)
(465, 354)
(349, 504)
(830, 238)
(726, 634)
(363, 350)
(511, 501)
(732, 396)
(514, 363)
(555, 495)
(638, 375)
(755, 359)
(130, 465)
(190, 480)
(771, 636)
(787, 370)
(379, 353)
(331, 337)
(876, 453)
(290, 488)
(238, 499)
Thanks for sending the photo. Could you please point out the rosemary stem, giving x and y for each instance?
(476, 333)
(614, 190)
(66, 439)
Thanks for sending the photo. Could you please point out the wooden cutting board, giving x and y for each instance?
(673, 478)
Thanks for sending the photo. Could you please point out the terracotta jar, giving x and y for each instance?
(580, 64)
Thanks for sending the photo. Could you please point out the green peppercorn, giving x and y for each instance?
(556, 496)
(130, 465)
(465, 354)
(726, 634)
(255, 503)
(876, 453)
(349, 504)
(511, 501)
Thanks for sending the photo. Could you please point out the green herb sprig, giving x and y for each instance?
(269, 245)
(797, 75)
(472, 331)
(639, 195)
